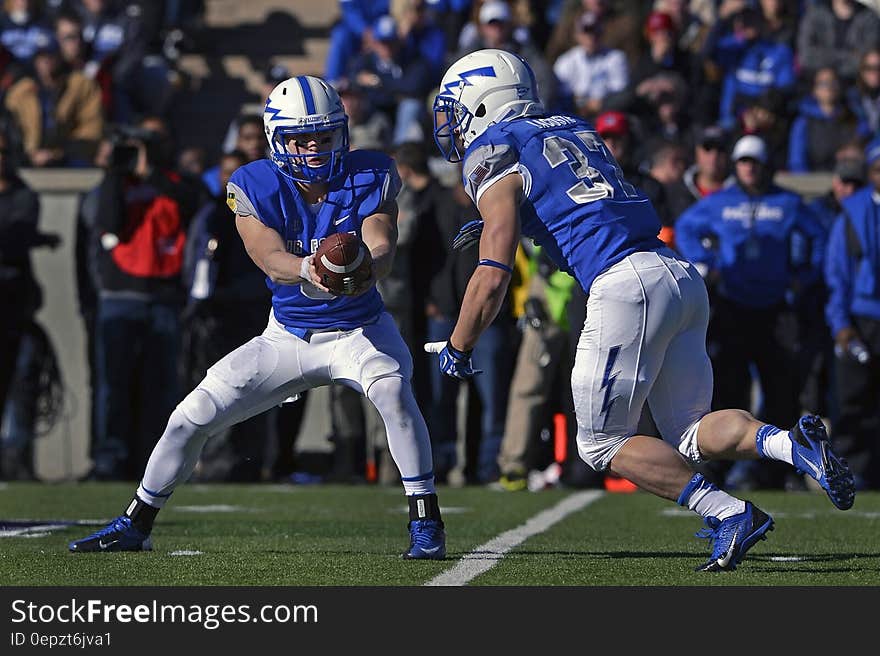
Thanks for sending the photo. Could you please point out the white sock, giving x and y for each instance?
(774, 443)
(705, 499)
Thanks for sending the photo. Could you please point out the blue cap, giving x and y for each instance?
(385, 28)
(872, 151)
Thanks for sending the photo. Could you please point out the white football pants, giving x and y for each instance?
(278, 365)
(644, 338)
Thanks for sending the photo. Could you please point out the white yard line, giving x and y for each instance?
(486, 556)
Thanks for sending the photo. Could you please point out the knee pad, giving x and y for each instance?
(687, 444)
(198, 407)
(598, 449)
(379, 366)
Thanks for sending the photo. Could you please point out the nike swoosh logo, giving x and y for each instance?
(106, 545)
(343, 219)
(724, 561)
(813, 467)
(432, 550)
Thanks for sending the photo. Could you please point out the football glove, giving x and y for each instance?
(468, 235)
(453, 362)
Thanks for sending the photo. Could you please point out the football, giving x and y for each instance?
(342, 262)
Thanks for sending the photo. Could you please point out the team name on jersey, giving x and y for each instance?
(745, 212)
(295, 246)
(552, 122)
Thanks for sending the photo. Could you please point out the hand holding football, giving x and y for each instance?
(343, 263)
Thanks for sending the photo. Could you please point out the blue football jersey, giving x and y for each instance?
(259, 189)
(576, 203)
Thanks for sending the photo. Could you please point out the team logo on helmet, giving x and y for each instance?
(450, 87)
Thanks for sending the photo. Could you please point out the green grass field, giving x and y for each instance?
(270, 535)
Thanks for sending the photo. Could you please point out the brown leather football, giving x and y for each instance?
(342, 262)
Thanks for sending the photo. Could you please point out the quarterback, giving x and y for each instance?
(551, 177)
(284, 206)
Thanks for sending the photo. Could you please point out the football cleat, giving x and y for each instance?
(427, 540)
(733, 537)
(812, 455)
(118, 535)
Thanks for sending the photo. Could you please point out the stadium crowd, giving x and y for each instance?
(702, 102)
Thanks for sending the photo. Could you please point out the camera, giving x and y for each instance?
(124, 155)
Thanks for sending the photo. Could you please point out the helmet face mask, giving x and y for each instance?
(307, 129)
(479, 90)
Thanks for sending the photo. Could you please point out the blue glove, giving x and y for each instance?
(453, 362)
(468, 235)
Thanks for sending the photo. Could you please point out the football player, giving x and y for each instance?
(284, 206)
(551, 177)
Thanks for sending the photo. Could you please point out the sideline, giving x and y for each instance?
(486, 556)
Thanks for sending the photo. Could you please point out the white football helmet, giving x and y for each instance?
(309, 108)
(479, 90)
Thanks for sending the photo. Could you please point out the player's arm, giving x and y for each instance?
(266, 248)
(379, 233)
(499, 207)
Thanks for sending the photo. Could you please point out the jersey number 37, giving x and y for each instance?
(592, 183)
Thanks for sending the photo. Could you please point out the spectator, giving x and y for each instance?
(852, 267)
(589, 72)
(468, 37)
(834, 34)
(822, 125)
(75, 55)
(22, 31)
(351, 34)
(863, 97)
(422, 37)
(451, 271)
(750, 64)
(122, 41)
(20, 294)
(664, 162)
(616, 131)
(249, 141)
(780, 21)
(818, 393)
(368, 129)
(662, 70)
(58, 112)
(540, 378)
(741, 237)
(395, 85)
(496, 29)
(621, 27)
(143, 212)
(766, 117)
(708, 173)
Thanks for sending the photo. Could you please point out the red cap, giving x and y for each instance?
(612, 122)
(658, 21)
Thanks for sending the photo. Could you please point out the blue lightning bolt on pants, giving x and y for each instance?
(644, 339)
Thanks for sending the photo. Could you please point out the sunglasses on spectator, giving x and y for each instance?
(871, 67)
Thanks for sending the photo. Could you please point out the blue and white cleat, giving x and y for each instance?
(812, 455)
(427, 540)
(733, 537)
(118, 535)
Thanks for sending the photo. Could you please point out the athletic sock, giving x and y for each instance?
(705, 499)
(774, 443)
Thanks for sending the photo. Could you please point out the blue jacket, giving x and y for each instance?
(852, 261)
(750, 70)
(816, 136)
(758, 244)
(358, 15)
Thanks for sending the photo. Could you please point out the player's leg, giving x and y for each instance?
(636, 314)
(251, 379)
(378, 360)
